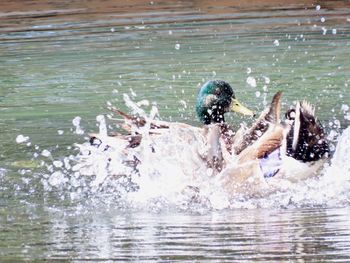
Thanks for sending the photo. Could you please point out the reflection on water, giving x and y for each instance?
(59, 60)
(278, 236)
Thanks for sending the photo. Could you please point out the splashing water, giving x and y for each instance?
(170, 172)
(76, 123)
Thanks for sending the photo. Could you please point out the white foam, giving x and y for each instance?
(56, 179)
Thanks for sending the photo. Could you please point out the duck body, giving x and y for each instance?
(243, 161)
(284, 151)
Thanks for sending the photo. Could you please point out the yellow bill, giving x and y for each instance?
(236, 106)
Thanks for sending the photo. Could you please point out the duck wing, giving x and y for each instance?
(133, 126)
(271, 140)
(268, 117)
(137, 121)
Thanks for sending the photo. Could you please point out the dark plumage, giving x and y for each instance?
(306, 141)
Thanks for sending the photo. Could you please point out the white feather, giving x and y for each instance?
(296, 127)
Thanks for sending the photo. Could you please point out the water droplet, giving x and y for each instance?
(45, 153)
(323, 19)
(276, 43)
(251, 81)
(112, 29)
(132, 92)
(177, 46)
(267, 80)
(57, 164)
(344, 107)
(102, 124)
(56, 178)
(249, 70)
(76, 123)
(183, 103)
(21, 139)
(347, 116)
(334, 31)
(318, 7)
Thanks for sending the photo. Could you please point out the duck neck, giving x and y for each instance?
(215, 115)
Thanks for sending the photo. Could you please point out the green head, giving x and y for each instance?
(214, 99)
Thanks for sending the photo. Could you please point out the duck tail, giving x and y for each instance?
(308, 108)
(307, 140)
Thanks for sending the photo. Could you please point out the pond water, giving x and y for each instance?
(60, 60)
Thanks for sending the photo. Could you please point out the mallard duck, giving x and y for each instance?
(215, 99)
(255, 154)
(272, 151)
